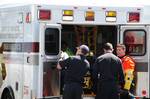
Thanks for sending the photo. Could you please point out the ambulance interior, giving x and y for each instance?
(92, 35)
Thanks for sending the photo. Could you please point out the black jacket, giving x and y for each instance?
(75, 69)
(108, 67)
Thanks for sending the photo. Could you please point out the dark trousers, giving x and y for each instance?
(62, 80)
(107, 90)
(124, 94)
(72, 91)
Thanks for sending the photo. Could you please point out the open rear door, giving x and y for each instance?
(49, 54)
(135, 38)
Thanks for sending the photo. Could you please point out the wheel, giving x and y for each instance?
(7, 94)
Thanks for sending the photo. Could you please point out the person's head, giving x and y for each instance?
(82, 50)
(108, 47)
(120, 50)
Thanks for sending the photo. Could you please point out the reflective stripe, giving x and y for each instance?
(21, 47)
(141, 67)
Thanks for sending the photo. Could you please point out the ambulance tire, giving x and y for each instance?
(8, 94)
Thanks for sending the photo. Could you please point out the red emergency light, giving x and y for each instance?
(44, 15)
(133, 17)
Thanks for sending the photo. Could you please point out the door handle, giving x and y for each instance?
(28, 58)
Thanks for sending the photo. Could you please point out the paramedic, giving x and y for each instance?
(76, 67)
(108, 73)
(128, 67)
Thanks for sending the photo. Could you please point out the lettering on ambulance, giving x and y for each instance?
(26, 90)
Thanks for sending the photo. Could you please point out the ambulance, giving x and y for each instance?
(31, 37)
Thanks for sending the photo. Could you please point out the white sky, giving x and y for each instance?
(123, 3)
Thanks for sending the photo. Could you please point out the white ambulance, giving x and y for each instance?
(31, 36)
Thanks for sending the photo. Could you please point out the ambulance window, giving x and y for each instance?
(51, 41)
(135, 42)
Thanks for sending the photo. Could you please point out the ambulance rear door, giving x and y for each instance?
(136, 40)
(49, 54)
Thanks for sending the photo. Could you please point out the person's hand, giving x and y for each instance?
(59, 67)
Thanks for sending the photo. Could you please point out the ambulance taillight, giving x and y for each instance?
(133, 17)
(44, 14)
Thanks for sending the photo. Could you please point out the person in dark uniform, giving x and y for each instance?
(108, 74)
(76, 67)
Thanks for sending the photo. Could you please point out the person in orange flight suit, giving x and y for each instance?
(128, 67)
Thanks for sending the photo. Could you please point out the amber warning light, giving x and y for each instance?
(44, 14)
(111, 16)
(67, 15)
(89, 16)
(133, 17)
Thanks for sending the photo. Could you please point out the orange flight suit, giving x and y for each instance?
(128, 63)
(128, 68)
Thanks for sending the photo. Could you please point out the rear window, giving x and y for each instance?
(51, 41)
(135, 41)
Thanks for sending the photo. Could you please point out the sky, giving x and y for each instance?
(123, 3)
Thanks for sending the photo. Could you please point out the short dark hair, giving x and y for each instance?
(108, 46)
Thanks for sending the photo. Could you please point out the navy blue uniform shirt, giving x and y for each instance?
(108, 67)
(76, 67)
